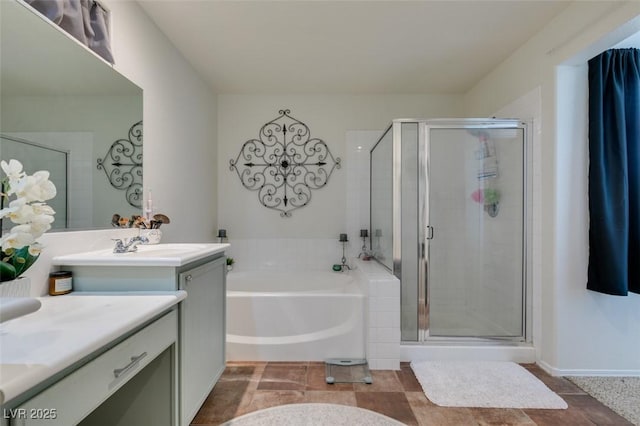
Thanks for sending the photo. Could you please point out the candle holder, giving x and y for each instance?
(364, 254)
(344, 240)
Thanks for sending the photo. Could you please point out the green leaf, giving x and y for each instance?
(7, 272)
(27, 258)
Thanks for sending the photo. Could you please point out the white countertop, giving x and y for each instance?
(68, 328)
(172, 254)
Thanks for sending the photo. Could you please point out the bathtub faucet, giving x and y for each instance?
(344, 265)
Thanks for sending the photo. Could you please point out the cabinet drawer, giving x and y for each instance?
(71, 399)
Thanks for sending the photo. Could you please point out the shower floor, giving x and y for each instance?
(249, 386)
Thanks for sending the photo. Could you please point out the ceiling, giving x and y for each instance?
(347, 47)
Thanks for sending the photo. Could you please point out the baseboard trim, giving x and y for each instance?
(584, 372)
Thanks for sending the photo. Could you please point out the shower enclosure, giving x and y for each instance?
(448, 218)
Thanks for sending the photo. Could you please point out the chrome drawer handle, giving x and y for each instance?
(134, 360)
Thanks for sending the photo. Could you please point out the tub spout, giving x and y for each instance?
(344, 265)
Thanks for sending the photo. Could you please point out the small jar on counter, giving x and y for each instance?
(60, 282)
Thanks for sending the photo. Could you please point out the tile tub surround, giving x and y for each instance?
(383, 315)
(247, 387)
(284, 254)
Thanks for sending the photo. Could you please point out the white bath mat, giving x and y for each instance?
(483, 384)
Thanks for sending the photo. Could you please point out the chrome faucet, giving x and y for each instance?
(128, 245)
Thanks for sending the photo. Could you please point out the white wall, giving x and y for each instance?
(581, 332)
(329, 117)
(179, 124)
(179, 139)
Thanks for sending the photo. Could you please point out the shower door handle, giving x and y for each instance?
(429, 232)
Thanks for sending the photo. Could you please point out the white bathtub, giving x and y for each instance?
(294, 316)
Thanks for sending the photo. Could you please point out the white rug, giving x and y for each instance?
(313, 414)
(483, 384)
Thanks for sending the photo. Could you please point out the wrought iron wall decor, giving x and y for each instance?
(123, 165)
(285, 164)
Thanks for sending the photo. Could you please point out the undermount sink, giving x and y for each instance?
(15, 307)
(171, 254)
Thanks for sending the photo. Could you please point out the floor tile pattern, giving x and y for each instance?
(251, 386)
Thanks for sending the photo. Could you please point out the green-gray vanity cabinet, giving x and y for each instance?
(201, 316)
(202, 334)
(106, 391)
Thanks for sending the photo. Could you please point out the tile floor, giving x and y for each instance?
(246, 387)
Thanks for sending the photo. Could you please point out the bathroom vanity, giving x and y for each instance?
(141, 340)
(78, 353)
(197, 269)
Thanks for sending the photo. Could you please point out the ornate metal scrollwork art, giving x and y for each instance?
(123, 165)
(285, 164)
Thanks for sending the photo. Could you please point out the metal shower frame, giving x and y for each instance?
(423, 217)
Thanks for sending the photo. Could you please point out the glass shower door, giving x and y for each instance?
(475, 231)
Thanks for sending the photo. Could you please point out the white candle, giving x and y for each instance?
(149, 209)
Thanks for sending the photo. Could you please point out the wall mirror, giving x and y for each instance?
(62, 108)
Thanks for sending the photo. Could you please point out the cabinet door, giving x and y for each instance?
(203, 334)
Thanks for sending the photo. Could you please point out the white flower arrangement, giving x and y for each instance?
(33, 217)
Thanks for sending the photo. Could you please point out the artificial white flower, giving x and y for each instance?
(46, 188)
(35, 249)
(42, 208)
(14, 206)
(13, 169)
(28, 211)
(17, 240)
(40, 224)
(34, 188)
(20, 211)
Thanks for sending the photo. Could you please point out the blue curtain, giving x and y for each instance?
(614, 172)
